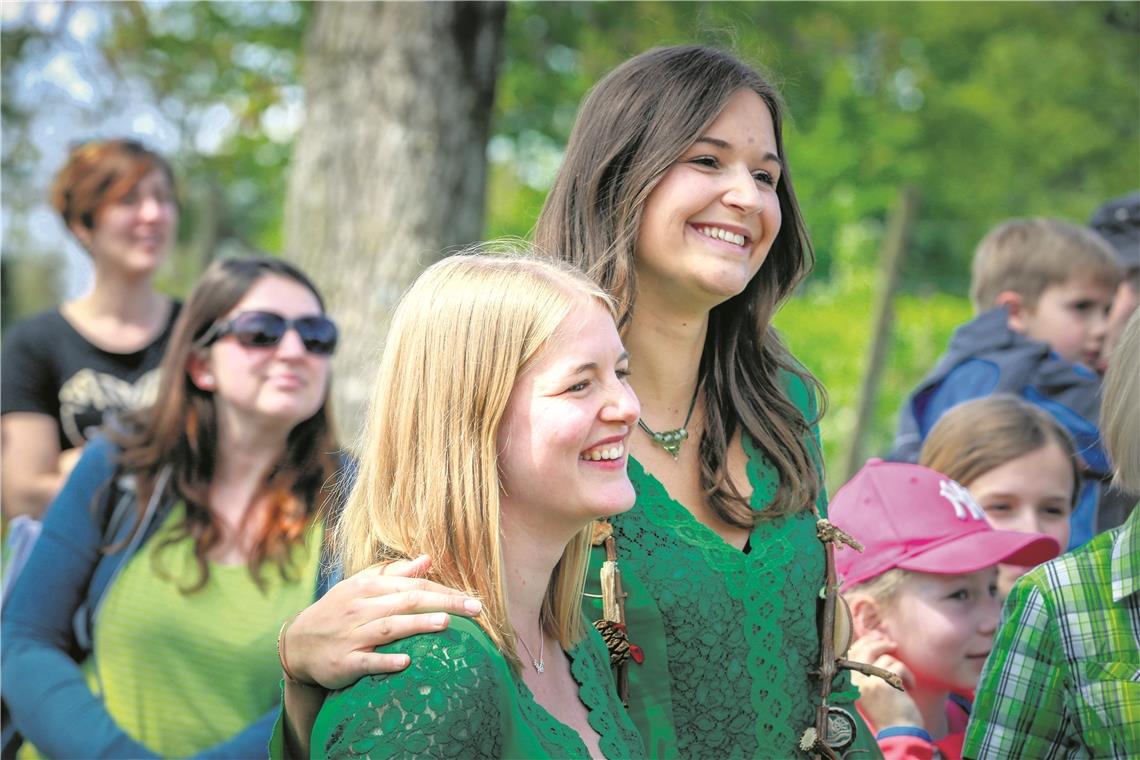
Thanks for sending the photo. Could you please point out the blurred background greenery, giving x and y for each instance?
(987, 110)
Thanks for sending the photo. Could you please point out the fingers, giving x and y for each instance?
(395, 627)
(369, 663)
(366, 610)
(870, 647)
(887, 662)
(410, 568)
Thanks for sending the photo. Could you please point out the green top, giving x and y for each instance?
(183, 672)
(1064, 676)
(729, 638)
(460, 698)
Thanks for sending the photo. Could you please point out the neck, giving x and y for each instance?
(245, 456)
(129, 299)
(530, 553)
(931, 705)
(665, 350)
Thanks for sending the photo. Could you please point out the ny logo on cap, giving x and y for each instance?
(964, 504)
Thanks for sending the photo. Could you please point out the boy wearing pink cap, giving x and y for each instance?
(923, 599)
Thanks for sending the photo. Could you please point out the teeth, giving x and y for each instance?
(607, 452)
(722, 234)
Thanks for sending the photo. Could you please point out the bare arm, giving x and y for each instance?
(33, 467)
(330, 643)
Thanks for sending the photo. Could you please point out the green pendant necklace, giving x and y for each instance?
(671, 440)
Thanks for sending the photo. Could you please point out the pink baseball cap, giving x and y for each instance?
(914, 518)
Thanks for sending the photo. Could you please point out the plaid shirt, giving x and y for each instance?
(1063, 680)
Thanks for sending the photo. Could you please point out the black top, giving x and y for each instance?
(48, 367)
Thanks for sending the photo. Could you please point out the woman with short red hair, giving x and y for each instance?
(66, 369)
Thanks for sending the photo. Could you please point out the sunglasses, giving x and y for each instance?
(264, 329)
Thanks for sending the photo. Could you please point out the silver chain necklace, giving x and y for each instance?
(539, 665)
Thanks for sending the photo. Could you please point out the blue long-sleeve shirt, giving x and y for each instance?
(45, 690)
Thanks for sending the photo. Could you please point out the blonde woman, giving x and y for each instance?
(497, 435)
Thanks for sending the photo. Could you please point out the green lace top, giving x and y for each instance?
(460, 698)
(728, 638)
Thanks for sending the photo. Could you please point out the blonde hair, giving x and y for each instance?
(976, 436)
(1028, 255)
(883, 588)
(428, 480)
(1120, 409)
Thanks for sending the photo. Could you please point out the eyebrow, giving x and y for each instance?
(624, 356)
(725, 145)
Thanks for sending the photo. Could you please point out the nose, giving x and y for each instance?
(741, 192)
(989, 616)
(1023, 520)
(291, 345)
(1099, 327)
(152, 208)
(623, 405)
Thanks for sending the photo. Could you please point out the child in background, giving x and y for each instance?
(1017, 462)
(1062, 681)
(923, 599)
(1042, 289)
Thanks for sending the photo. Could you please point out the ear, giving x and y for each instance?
(1014, 304)
(866, 614)
(82, 234)
(198, 368)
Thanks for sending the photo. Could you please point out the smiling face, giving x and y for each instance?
(1030, 494)
(944, 626)
(563, 438)
(1072, 317)
(135, 233)
(277, 386)
(709, 223)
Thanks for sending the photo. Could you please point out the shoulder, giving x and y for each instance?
(449, 700)
(38, 334)
(1076, 581)
(461, 659)
(799, 391)
(47, 321)
(168, 330)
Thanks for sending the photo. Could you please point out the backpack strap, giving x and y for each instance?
(109, 567)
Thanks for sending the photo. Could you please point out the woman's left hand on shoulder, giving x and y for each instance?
(331, 642)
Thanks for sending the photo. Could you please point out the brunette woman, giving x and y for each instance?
(676, 196)
(202, 537)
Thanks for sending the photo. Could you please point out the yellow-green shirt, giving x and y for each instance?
(183, 672)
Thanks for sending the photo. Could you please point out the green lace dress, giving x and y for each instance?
(728, 638)
(459, 698)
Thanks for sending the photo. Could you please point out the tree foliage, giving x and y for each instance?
(991, 110)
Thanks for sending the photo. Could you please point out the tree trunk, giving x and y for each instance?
(389, 170)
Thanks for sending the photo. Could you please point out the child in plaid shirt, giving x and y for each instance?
(1064, 677)
(923, 599)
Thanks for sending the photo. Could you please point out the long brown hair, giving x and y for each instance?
(631, 128)
(181, 430)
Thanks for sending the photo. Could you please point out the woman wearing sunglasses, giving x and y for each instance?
(65, 369)
(185, 542)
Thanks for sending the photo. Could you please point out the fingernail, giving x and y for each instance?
(439, 619)
(474, 606)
